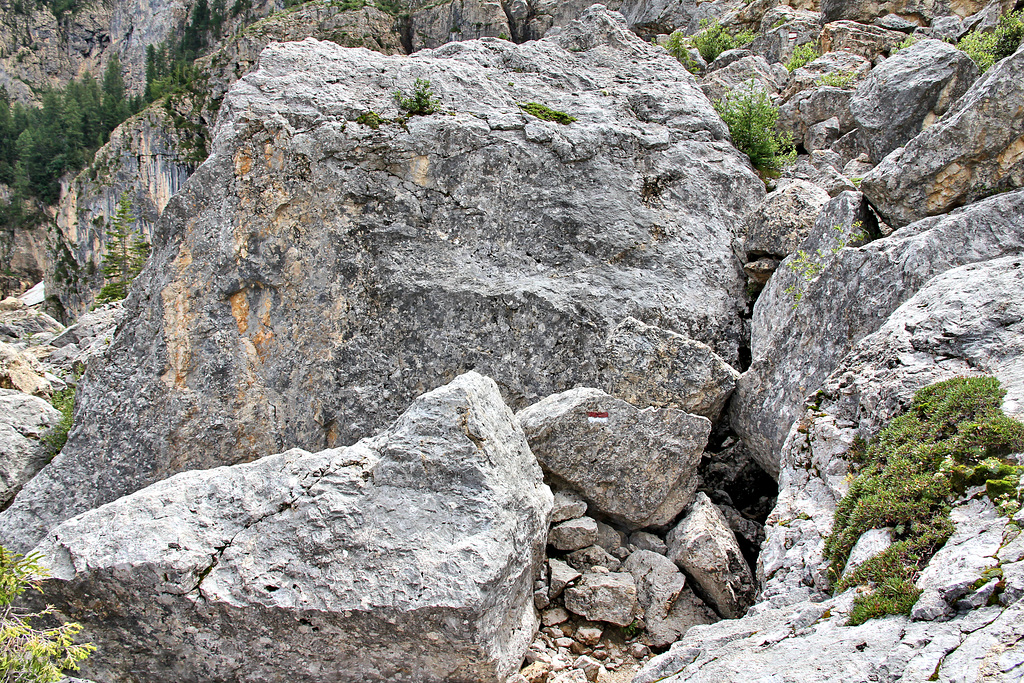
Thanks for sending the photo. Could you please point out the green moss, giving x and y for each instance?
(954, 436)
(55, 438)
(370, 118)
(802, 55)
(546, 113)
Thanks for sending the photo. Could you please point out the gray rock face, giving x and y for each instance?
(651, 366)
(670, 607)
(976, 149)
(910, 90)
(567, 505)
(374, 264)
(795, 348)
(738, 74)
(807, 77)
(705, 547)
(437, 24)
(604, 596)
(784, 219)
(820, 168)
(777, 41)
(574, 534)
(24, 420)
(638, 467)
(411, 553)
(921, 10)
(861, 39)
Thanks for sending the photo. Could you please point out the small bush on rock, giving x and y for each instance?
(988, 48)
(712, 40)
(546, 113)
(837, 79)
(751, 118)
(29, 654)
(422, 101)
(55, 438)
(954, 436)
(802, 55)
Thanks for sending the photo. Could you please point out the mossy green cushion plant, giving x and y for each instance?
(546, 113)
(954, 436)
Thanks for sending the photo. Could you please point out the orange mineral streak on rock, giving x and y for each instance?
(240, 310)
(1011, 156)
(178, 321)
(950, 184)
(243, 163)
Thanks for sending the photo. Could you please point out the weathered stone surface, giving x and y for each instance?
(19, 323)
(670, 607)
(784, 219)
(561, 576)
(610, 538)
(607, 597)
(976, 149)
(647, 366)
(573, 534)
(636, 466)
(568, 505)
(437, 24)
(413, 553)
(777, 41)
(705, 547)
(644, 540)
(738, 74)
(24, 419)
(819, 168)
(860, 39)
(728, 57)
(795, 348)
(373, 264)
(21, 371)
(807, 78)
(920, 11)
(871, 543)
(585, 559)
(909, 91)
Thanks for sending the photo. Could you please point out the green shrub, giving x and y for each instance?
(988, 48)
(56, 437)
(371, 119)
(421, 103)
(712, 40)
(751, 118)
(546, 113)
(837, 79)
(28, 654)
(907, 42)
(954, 436)
(802, 55)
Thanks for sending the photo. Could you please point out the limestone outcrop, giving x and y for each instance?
(408, 556)
(373, 262)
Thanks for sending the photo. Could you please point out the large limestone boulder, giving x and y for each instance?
(316, 273)
(705, 548)
(739, 74)
(638, 467)
(797, 341)
(784, 219)
(977, 149)
(864, 40)
(409, 556)
(909, 91)
(24, 420)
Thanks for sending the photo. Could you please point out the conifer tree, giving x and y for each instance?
(126, 253)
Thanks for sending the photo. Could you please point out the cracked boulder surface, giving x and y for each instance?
(408, 556)
(316, 273)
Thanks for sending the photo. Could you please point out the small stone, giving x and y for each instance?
(570, 676)
(644, 540)
(540, 598)
(561, 576)
(518, 678)
(590, 667)
(564, 642)
(585, 559)
(610, 538)
(574, 534)
(639, 650)
(578, 648)
(604, 597)
(538, 657)
(568, 505)
(537, 672)
(555, 615)
(589, 635)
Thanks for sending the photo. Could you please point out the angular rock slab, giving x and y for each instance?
(670, 607)
(907, 91)
(638, 467)
(796, 345)
(705, 547)
(316, 274)
(24, 420)
(977, 149)
(604, 596)
(409, 556)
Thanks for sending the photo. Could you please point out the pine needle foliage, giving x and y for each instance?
(954, 436)
(29, 654)
(126, 254)
(751, 118)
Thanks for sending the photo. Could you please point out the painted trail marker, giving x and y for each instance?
(594, 416)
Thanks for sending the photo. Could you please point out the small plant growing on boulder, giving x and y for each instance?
(954, 436)
(546, 113)
(29, 654)
(802, 55)
(751, 117)
(712, 40)
(422, 101)
(57, 436)
(371, 119)
(837, 79)
(988, 48)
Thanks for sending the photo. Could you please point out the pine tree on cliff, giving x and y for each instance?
(126, 254)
